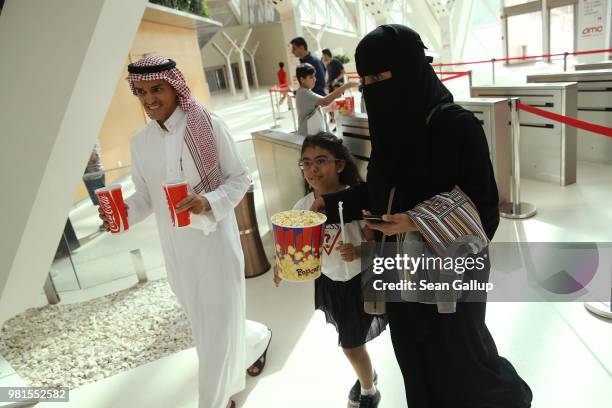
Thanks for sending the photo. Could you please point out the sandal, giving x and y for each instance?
(259, 364)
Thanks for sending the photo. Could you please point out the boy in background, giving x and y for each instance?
(307, 101)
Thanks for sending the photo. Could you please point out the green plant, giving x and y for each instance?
(197, 7)
(184, 5)
(342, 58)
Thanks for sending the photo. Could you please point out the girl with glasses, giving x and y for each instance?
(328, 167)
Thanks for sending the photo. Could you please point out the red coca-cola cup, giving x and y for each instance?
(113, 208)
(175, 191)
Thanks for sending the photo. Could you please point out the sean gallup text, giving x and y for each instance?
(423, 284)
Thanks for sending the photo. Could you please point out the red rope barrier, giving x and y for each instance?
(590, 127)
(351, 76)
(609, 50)
(461, 63)
(278, 90)
(591, 52)
(452, 72)
(517, 58)
(455, 76)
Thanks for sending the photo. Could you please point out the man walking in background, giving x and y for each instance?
(299, 48)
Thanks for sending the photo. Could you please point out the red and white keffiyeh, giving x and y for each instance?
(199, 136)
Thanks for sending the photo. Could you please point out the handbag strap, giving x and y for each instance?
(389, 206)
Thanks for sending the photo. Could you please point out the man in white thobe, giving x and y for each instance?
(204, 262)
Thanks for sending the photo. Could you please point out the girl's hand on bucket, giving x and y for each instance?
(277, 279)
(348, 252)
(318, 205)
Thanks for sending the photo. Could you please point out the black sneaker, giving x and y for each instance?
(355, 392)
(370, 401)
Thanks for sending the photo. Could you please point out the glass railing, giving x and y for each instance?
(88, 256)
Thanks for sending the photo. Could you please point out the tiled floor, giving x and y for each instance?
(561, 350)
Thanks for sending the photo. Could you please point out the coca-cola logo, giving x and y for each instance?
(107, 208)
(591, 30)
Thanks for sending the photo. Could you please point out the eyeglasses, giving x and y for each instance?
(319, 162)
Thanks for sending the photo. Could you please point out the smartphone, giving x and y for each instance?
(373, 218)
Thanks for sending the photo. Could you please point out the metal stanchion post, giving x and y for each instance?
(139, 267)
(516, 209)
(470, 75)
(493, 69)
(273, 110)
(277, 99)
(565, 54)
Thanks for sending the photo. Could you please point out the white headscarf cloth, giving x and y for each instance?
(199, 136)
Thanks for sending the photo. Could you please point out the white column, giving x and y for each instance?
(61, 61)
(252, 57)
(289, 12)
(446, 51)
(460, 24)
(228, 66)
(360, 18)
(244, 79)
(317, 37)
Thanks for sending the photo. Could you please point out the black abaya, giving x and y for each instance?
(447, 360)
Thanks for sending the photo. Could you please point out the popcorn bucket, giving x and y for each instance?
(112, 205)
(298, 239)
(175, 191)
(346, 106)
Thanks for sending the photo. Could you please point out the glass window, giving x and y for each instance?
(484, 35)
(525, 35)
(510, 3)
(562, 29)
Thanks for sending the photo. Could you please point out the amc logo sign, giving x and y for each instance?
(592, 30)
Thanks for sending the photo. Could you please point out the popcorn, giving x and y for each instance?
(298, 238)
(298, 218)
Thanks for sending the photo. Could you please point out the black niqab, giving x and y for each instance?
(397, 111)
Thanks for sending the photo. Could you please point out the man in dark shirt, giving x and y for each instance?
(335, 70)
(299, 48)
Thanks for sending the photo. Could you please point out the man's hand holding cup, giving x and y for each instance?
(195, 203)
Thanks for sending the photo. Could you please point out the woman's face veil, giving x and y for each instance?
(407, 97)
(398, 106)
